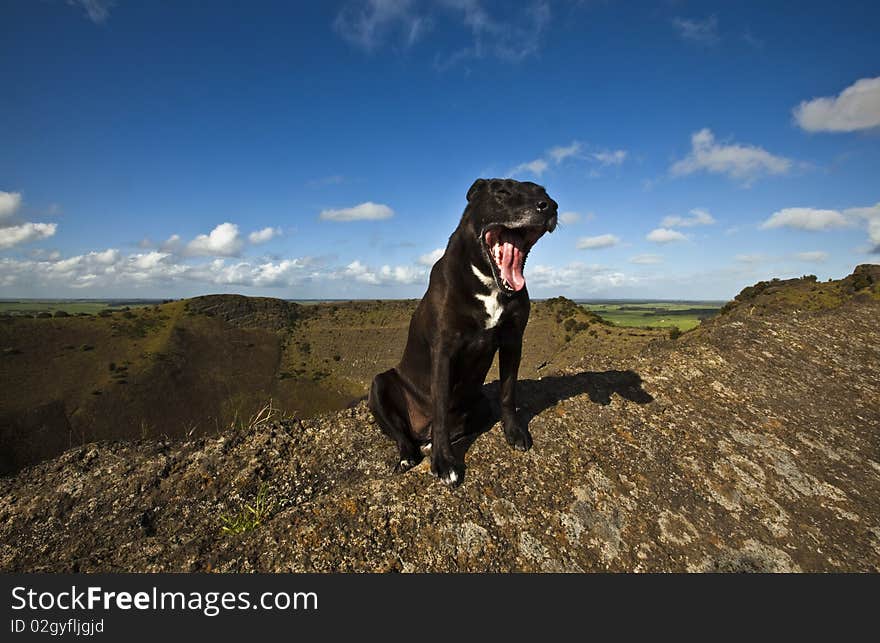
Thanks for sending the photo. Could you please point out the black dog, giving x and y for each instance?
(476, 303)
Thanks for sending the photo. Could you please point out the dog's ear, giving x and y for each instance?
(478, 185)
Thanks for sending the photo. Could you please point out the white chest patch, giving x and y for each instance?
(492, 301)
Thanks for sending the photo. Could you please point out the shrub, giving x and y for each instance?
(674, 333)
(62, 313)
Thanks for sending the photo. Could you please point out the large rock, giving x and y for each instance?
(750, 445)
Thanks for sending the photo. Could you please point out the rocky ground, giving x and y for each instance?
(751, 444)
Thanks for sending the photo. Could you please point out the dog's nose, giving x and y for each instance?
(542, 205)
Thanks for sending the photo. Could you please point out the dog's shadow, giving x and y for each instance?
(536, 396)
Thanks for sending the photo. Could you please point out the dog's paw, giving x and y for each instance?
(450, 473)
(517, 437)
(404, 465)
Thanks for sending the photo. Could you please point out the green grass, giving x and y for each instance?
(684, 315)
(251, 515)
(70, 306)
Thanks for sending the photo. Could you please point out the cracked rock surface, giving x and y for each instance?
(752, 444)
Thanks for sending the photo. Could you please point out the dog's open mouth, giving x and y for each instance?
(508, 248)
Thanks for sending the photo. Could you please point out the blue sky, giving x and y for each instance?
(323, 150)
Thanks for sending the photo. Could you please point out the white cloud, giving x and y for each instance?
(367, 211)
(610, 157)
(665, 235)
(223, 241)
(874, 234)
(560, 152)
(741, 162)
(385, 275)
(569, 218)
(856, 108)
(264, 235)
(750, 258)
(595, 243)
(431, 258)
(171, 244)
(147, 261)
(699, 31)
(586, 278)
(819, 220)
(813, 256)
(697, 217)
(9, 203)
(536, 167)
(871, 216)
(646, 259)
(805, 219)
(109, 256)
(25, 233)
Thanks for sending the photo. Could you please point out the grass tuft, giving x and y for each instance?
(250, 516)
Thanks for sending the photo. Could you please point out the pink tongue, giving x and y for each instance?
(511, 266)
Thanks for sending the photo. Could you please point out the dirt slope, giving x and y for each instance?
(752, 444)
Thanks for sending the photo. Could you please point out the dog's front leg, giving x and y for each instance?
(509, 356)
(443, 463)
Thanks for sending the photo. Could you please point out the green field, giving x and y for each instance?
(656, 314)
(30, 307)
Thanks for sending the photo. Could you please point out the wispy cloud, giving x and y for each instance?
(697, 217)
(596, 243)
(646, 259)
(368, 25)
(819, 220)
(805, 219)
(510, 35)
(561, 152)
(704, 32)
(264, 235)
(610, 157)
(430, 258)
(569, 218)
(856, 108)
(812, 256)
(665, 235)
(367, 211)
(744, 163)
(536, 167)
(96, 10)
(750, 259)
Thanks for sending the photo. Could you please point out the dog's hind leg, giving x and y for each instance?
(388, 404)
